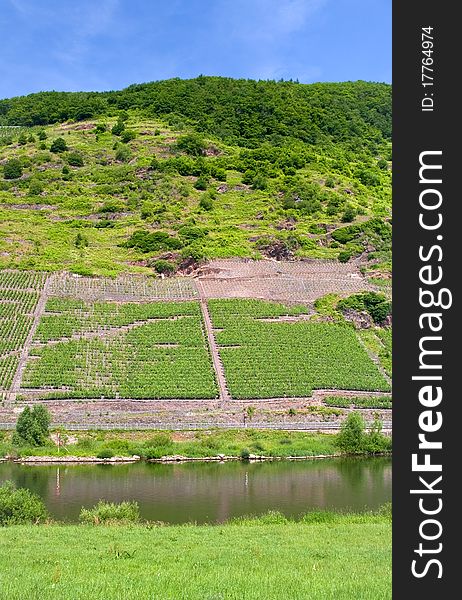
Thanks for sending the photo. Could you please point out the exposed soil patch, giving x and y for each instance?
(283, 281)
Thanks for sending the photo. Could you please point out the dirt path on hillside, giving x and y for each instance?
(216, 359)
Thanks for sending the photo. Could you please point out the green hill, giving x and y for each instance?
(165, 172)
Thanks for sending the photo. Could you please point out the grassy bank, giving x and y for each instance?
(327, 556)
(149, 444)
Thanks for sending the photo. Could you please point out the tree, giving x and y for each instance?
(32, 426)
(192, 144)
(12, 169)
(351, 436)
(58, 145)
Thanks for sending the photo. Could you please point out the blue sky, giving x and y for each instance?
(109, 44)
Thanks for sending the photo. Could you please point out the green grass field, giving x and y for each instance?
(348, 558)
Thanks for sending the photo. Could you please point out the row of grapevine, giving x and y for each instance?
(380, 402)
(19, 294)
(123, 288)
(276, 359)
(65, 317)
(163, 355)
(22, 280)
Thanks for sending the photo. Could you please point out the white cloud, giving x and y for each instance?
(271, 20)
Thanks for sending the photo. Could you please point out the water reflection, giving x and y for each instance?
(210, 492)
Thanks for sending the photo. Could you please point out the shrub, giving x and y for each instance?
(351, 436)
(42, 135)
(101, 128)
(123, 154)
(12, 169)
(35, 187)
(118, 128)
(375, 442)
(201, 183)
(152, 242)
(75, 159)
(160, 439)
(105, 453)
(380, 312)
(245, 454)
(20, 506)
(127, 136)
(104, 223)
(164, 266)
(32, 426)
(369, 177)
(192, 232)
(319, 516)
(349, 215)
(344, 256)
(58, 145)
(80, 241)
(206, 202)
(330, 182)
(112, 206)
(376, 305)
(273, 517)
(259, 182)
(192, 144)
(106, 513)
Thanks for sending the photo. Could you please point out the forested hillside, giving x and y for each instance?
(150, 177)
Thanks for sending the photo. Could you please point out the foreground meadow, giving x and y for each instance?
(341, 557)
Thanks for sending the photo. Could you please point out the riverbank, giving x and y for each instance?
(214, 445)
(257, 559)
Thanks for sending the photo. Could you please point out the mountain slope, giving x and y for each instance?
(202, 168)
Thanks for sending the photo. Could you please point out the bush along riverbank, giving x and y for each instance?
(35, 443)
(257, 558)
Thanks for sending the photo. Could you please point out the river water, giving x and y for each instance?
(210, 492)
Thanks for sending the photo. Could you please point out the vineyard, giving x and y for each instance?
(265, 357)
(123, 288)
(19, 294)
(110, 350)
(66, 337)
